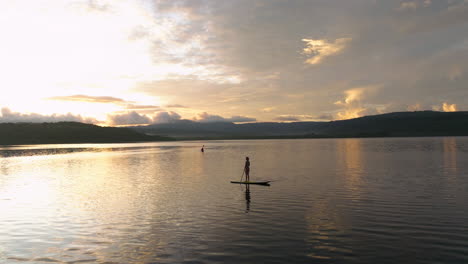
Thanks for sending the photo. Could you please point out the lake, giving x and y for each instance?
(387, 200)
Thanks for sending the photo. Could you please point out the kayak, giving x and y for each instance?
(252, 182)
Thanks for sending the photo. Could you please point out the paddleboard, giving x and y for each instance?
(252, 182)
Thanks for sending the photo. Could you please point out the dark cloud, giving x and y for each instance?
(88, 99)
(143, 107)
(287, 118)
(295, 118)
(131, 118)
(240, 119)
(325, 117)
(206, 118)
(166, 117)
(10, 116)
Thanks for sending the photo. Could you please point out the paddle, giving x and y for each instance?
(242, 175)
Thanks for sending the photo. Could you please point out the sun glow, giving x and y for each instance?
(62, 48)
(66, 49)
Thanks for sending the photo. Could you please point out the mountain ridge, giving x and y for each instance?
(68, 132)
(419, 123)
(397, 124)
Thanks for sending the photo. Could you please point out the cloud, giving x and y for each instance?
(206, 96)
(319, 49)
(356, 95)
(98, 6)
(88, 99)
(13, 117)
(325, 117)
(292, 118)
(354, 112)
(131, 118)
(450, 15)
(143, 107)
(353, 102)
(352, 96)
(412, 5)
(408, 5)
(166, 117)
(268, 109)
(199, 53)
(455, 72)
(240, 119)
(415, 107)
(356, 43)
(206, 118)
(446, 107)
(187, 89)
(175, 106)
(427, 3)
(287, 118)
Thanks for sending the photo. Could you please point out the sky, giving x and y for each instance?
(136, 62)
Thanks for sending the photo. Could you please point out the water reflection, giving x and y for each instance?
(450, 155)
(325, 224)
(350, 163)
(247, 198)
(341, 201)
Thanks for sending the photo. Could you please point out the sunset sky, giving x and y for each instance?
(149, 61)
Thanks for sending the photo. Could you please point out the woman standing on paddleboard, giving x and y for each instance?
(247, 169)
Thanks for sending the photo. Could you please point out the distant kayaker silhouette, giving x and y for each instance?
(247, 169)
(203, 148)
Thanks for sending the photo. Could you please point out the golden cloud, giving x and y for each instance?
(352, 103)
(319, 49)
(415, 107)
(268, 109)
(88, 99)
(351, 113)
(142, 107)
(446, 107)
(352, 96)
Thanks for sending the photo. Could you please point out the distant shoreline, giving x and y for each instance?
(317, 137)
(391, 125)
(398, 124)
(223, 138)
(69, 133)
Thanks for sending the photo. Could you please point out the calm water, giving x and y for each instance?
(331, 201)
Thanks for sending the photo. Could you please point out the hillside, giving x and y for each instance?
(68, 132)
(423, 123)
(399, 124)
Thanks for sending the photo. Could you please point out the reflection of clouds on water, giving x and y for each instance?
(325, 224)
(326, 216)
(351, 165)
(99, 203)
(63, 149)
(450, 156)
(173, 204)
